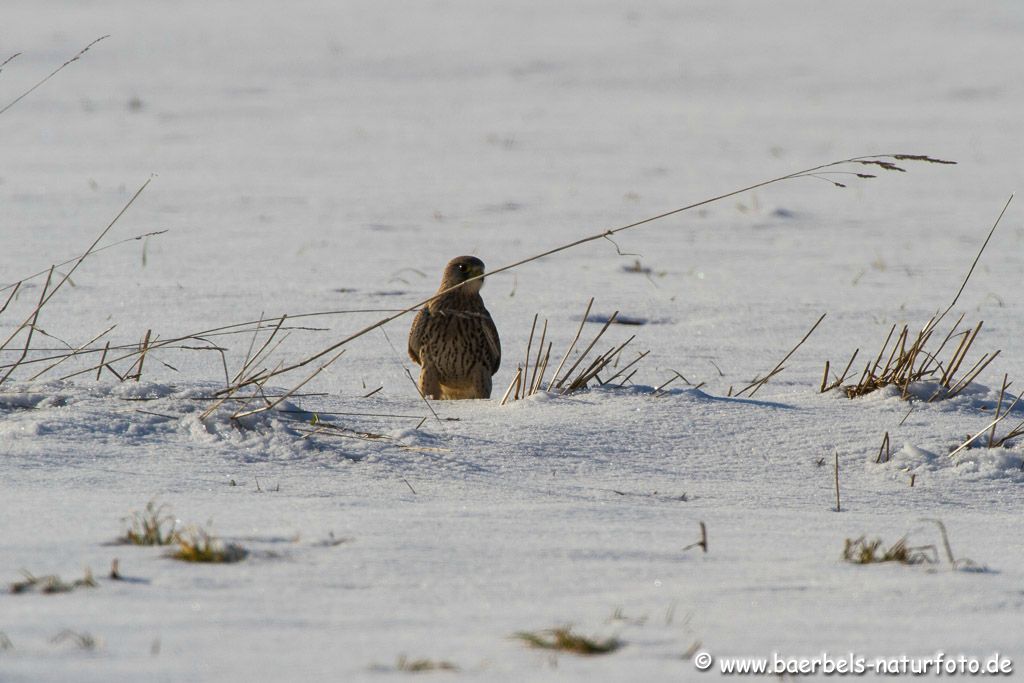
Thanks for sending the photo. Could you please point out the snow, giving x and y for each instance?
(318, 156)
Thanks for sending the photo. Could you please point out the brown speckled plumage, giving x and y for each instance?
(453, 338)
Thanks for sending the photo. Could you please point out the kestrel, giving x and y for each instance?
(453, 338)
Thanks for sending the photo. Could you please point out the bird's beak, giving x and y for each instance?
(474, 271)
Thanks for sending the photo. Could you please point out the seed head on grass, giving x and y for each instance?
(199, 546)
(564, 640)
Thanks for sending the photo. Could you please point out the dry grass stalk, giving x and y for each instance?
(575, 339)
(513, 387)
(583, 379)
(884, 453)
(660, 389)
(954, 562)
(537, 361)
(558, 383)
(30, 323)
(995, 443)
(53, 73)
(10, 297)
(538, 381)
(75, 352)
(39, 273)
(48, 293)
(270, 405)
(702, 543)
(529, 341)
(639, 357)
(761, 381)
(328, 429)
(526, 383)
(839, 507)
(143, 349)
(133, 350)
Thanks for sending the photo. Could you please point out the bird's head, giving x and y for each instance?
(460, 269)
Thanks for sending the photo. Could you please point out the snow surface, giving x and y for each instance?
(317, 156)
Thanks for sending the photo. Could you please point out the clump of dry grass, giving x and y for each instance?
(908, 360)
(51, 584)
(422, 665)
(198, 545)
(85, 641)
(862, 551)
(563, 639)
(151, 527)
(528, 382)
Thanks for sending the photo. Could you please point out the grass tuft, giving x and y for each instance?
(423, 665)
(862, 551)
(528, 381)
(908, 359)
(51, 584)
(85, 641)
(151, 527)
(564, 640)
(199, 546)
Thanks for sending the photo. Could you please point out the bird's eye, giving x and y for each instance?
(462, 267)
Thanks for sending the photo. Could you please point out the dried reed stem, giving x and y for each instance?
(513, 385)
(45, 299)
(611, 319)
(575, 339)
(758, 383)
(540, 348)
(838, 505)
(31, 323)
(53, 73)
(999, 407)
(991, 424)
(526, 363)
(74, 353)
(884, 448)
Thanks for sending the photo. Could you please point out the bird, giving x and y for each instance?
(453, 338)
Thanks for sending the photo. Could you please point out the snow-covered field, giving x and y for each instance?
(321, 156)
